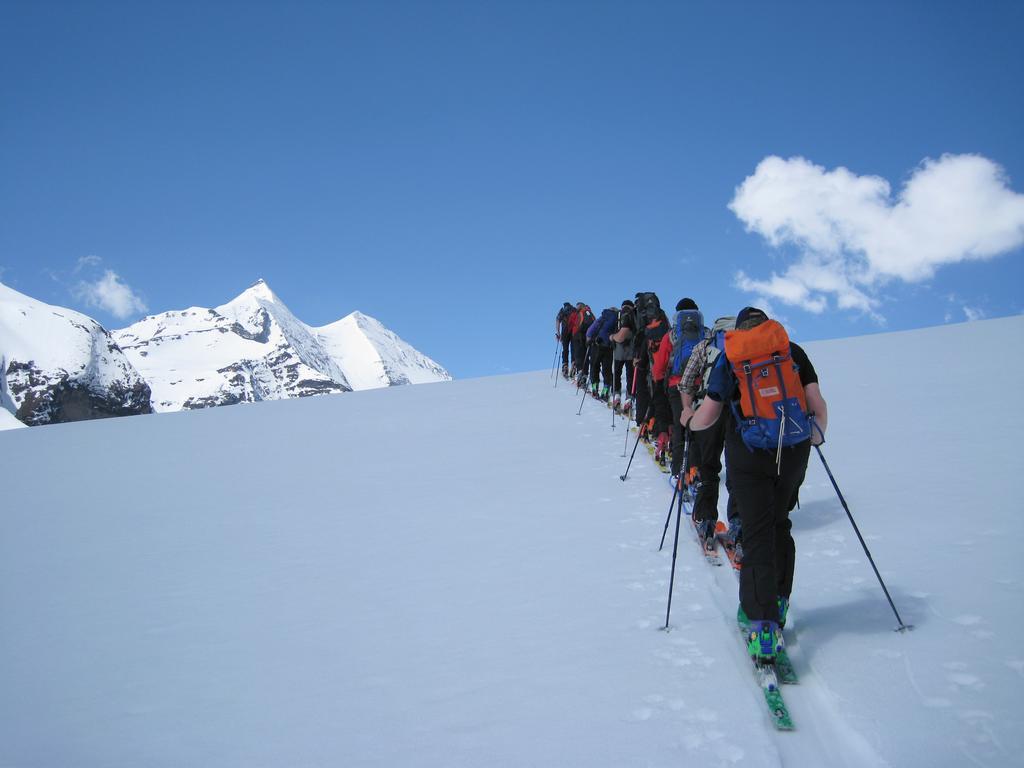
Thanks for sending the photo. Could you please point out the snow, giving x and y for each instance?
(48, 344)
(253, 348)
(372, 356)
(453, 575)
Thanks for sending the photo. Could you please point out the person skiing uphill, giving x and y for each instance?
(622, 354)
(772, 388)
(706, 447)
(656, 336)
(580, 323)
(687, 330)
(563, 334)
(599, 337)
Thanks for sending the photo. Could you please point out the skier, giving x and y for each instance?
(687, 331)
(660, 417)
(579, 325)
(767, 458)
(709, 443)
(622, 355)
(599, 336)
(645, 304)
(563, 334)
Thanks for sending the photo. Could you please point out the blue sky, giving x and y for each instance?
(458, 169)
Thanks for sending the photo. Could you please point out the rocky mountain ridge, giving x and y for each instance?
(250, 349)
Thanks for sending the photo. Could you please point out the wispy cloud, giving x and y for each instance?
(111, 294)
(87, 262)
(852, 236)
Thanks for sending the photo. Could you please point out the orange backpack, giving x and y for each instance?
(773, 409)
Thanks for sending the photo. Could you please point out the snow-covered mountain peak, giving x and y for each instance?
(373, 356)
(61, 365)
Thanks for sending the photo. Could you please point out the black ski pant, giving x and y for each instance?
(566, 342)
(764, 496)
(660, 408)
(708, 460)
(579, 350)
(603, 363)
(617, 384)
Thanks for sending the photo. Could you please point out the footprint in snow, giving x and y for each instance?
(964, 680)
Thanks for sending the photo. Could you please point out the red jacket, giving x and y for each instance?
(574, 322)
(659, 363)
(662, 360)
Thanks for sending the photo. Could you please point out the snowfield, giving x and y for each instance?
(454, 575)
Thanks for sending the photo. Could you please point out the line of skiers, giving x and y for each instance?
(740, 386)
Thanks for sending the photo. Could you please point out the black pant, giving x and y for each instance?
(601, 364)
(764, 496)
(708, 458)
(660, 408)
(579, 350)
(617, 384)
(566, 340)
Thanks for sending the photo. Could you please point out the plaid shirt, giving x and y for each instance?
(694, 368)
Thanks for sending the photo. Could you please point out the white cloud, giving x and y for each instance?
(87, 262)
(853, 236)
(111, 294)
(973, 313)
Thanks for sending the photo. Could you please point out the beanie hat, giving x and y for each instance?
(686, 304)
(750, 317)
(628, 303)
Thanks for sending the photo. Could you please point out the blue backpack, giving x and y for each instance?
(606, 323)
(687, 331)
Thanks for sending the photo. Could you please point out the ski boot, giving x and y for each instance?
(706, 533)
(604, 394)
(617, 404)
(627, 406)
(764, 641)
(661, 450)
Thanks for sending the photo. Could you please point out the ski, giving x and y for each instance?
(727, 544)
(777, 710)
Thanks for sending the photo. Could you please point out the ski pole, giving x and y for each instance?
(584, 371)
(611, 405)
(554, 365)
(639, 433)
(671, 506)
(675, 552)
(582, 401)
(625, 442)
(678, 487)
(902, 627)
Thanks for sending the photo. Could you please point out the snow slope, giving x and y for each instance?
(475, 586)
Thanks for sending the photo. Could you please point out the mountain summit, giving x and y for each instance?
(372, 356)
(253, 348)
(60, 365)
